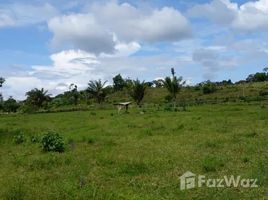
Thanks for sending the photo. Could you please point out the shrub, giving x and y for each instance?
(168, 98)
(19, 138)
(263, 93)
(10, 105)
(52, 141)
(208, 87)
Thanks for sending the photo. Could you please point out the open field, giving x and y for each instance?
(136, 155)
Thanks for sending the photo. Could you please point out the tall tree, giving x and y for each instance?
(119, 82)
(97, 90)
(173, 85)
(74, 94)
(137, 90)
(38, 97)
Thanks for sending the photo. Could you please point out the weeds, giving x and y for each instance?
(52, 142)
(19, 138)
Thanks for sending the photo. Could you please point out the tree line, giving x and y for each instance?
(98, 90)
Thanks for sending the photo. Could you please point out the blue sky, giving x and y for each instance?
(52, 44)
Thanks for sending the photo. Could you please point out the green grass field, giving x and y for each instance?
(136, 155)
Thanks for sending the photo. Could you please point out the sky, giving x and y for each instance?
(52, 44)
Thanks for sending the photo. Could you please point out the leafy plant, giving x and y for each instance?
(52, 141)
(97, 90)
(137, 90)
(263, 92)
(10, 105)
(38, 98)
(19, 138)
(209, 87)
(173, 85)
(119, 83)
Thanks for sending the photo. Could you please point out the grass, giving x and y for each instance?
(231, 93)
(136, 155)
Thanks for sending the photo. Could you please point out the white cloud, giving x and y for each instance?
(219, 11)
(100, 29)
(77, 66)
(213, 60)
(67, 64)
(252, 16)
(81, 31)
(133, 24)
(25, 14)
(124, 49)
(249, 16)
(72, 66)
(17, 86)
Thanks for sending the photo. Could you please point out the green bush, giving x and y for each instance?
(19, 138)
(263, 93)
(52, 141)
(209, 88)
(168, 98)
(10, 105)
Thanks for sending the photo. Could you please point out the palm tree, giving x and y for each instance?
(137, 90)
(97, 90)
(173, 85)
(37, 97)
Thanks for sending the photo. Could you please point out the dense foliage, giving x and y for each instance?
(38, 98)
(97, 90)
(119, 83)
(10, 105)
(137, 91)
(208, 87)
(173, 85)
(52, 142)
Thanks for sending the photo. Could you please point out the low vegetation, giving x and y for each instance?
(132, 155)
(98, 153)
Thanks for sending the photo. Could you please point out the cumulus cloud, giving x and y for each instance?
(99, 29)
(81, 31)
(252, 16)
(219, 11)
(71, 66)
(213, 60)
(130, 23)
(249, 16)
(24, 14)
